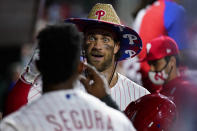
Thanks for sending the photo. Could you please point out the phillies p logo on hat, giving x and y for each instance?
(100, 14)
(105, 15)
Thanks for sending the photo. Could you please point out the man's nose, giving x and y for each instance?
(98, 44)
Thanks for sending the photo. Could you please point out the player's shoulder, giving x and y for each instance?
(71, 96)
(96, 104)
(124, 79)
(10, 123)
(88, 101)
(130, 83)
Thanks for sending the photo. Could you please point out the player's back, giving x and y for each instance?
(68, 110)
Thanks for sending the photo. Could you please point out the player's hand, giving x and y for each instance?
(30, 73)
(94, 83)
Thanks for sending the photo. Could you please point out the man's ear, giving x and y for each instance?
(173, 61)
(116, 47)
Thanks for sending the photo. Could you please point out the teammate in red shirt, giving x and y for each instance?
(163, 58)
(159, 17)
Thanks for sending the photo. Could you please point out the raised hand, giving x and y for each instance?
(94, 82)
(30, 73)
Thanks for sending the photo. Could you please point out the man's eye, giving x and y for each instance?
(105, 40)
(91, 38)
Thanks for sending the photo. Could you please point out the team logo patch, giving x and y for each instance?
(148, 46)
(168, 51)
(131, 53)
(130, 37)
(67, 96)
(100, 13)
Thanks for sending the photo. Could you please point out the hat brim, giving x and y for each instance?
(130, 42)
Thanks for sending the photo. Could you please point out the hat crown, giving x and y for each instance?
(104, 15)
(104, 12)
(161, 47)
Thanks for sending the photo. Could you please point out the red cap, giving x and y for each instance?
(160, 47)
(153, 112)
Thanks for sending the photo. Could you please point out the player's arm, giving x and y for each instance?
(108, 100)
(7, 127)
(96, 85)
(18, 96)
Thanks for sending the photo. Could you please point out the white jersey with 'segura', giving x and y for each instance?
(125, 91)
(66, 110)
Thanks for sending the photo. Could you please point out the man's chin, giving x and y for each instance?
(100, 69)
(95, 62)
(98, 66)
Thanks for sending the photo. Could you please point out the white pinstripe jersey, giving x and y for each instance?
(125, 91)
(35, 91)
(68, 110)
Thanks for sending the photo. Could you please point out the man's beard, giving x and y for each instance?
(103, 65)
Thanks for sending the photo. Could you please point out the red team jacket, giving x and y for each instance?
(14, 103)
(21, 94)
(183, 93)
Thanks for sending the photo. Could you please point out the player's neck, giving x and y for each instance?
(114, 80)
(110, 75)
(68, 84)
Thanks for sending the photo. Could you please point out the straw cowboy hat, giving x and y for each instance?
(105, 15)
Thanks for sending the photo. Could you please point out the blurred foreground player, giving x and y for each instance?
(62, 107)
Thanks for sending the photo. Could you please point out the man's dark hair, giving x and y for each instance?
(60, 47)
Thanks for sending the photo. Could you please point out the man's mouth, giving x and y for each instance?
(97, 56)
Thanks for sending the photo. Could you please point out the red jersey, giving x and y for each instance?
(183, 93)
(179, 89)
(23, 93)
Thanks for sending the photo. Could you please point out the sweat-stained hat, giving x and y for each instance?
(104, 15)
(160, 47)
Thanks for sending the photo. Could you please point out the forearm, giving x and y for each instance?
(108, 100)
(17, 97)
